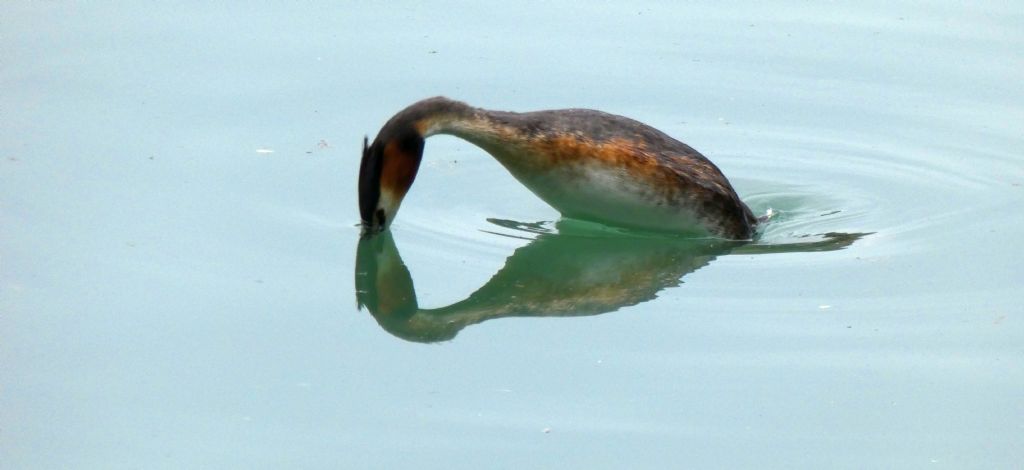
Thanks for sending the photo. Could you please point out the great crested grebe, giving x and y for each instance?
(586, 164)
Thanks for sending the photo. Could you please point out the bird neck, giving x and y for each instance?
(496, 132)
(444, 116)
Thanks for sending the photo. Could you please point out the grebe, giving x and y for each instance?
(587, 164)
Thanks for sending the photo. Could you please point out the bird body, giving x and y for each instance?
(587, 164)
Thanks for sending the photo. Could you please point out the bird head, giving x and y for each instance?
(386, 173)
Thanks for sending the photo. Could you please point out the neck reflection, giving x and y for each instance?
(555, 275)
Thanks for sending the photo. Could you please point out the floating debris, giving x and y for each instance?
(322, 145)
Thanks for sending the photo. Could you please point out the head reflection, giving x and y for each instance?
(569, 273)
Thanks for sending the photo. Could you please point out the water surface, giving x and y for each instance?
(179, 250)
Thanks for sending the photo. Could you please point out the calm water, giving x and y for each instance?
(179, 249)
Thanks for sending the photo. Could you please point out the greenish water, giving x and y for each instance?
(586, 271)
(183, 285)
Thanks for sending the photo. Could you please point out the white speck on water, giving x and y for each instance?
(264, 151)
(546, 430)
(824, 307)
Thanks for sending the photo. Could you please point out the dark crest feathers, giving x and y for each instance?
(369, 180)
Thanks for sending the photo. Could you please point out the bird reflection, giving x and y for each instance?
(563, 274)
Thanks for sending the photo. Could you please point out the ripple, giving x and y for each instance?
(903, 190)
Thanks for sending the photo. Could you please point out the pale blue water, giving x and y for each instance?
(178, 240)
